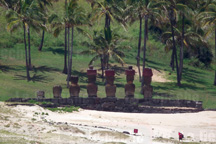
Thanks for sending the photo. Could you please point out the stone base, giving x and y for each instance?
(92, 96)
(129, 96)
(57, 97)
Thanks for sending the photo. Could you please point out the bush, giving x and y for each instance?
(205, 55)
(199, 56)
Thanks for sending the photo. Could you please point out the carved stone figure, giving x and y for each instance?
(57, 90)
(110, 87)
(40, 94)
(130, 87)
(147, 88)
(92, 88)
(74, 87)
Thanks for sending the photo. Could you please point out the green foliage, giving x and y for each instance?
(64, 109)
(48, 65)
(38, 103)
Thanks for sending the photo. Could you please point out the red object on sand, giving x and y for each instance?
(148, 72)
(135, 130)
(181, 136)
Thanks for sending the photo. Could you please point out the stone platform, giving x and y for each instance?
(131, 105)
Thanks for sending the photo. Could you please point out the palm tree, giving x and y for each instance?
(192, 41)
(75, 17)
(105, 45)
(170, 7)
(43, 5)
(26, 15)
(9, 4)
(209, 19)
(137, 12)
(108, 8)
(184, 8)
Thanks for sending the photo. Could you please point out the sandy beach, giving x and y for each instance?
(34, 124)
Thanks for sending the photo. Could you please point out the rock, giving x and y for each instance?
(108, 106)
(40, 94)
(126, 132)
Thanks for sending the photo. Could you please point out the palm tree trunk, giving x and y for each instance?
(42, 40)
(145, 43)
(139, 47)
(68, 72)
(26, 53)
(215, 56)
(29, 48)
(102, 66)
(144, 49)
(107, 62)
(65, 52)
(107, 21)
(182, 48)
(68, 46)
(174, 49)
(172, 64)
(71, 54)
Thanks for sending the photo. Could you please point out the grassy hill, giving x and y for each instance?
(197, 83)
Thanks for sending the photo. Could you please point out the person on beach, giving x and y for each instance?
(181, 136)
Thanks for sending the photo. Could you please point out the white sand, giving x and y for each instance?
(23, 121)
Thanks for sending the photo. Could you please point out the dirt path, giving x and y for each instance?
(24, 124)
(158, 76)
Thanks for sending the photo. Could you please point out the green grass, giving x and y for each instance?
(64, 109)
(39, 103)
(197, 83)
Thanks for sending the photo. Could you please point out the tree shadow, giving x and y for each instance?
(55, 51)
(34, 78)
(193, 76)
(164, 95)
(44, 69)
(40, 78)
(6, 69)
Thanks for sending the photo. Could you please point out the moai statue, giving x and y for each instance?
(74, 87)
(110, 87)
(40, 94)
(92, 88)
(57, 90)
(130, 87)
(147, 88)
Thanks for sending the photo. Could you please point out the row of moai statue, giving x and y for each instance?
(110, 87)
